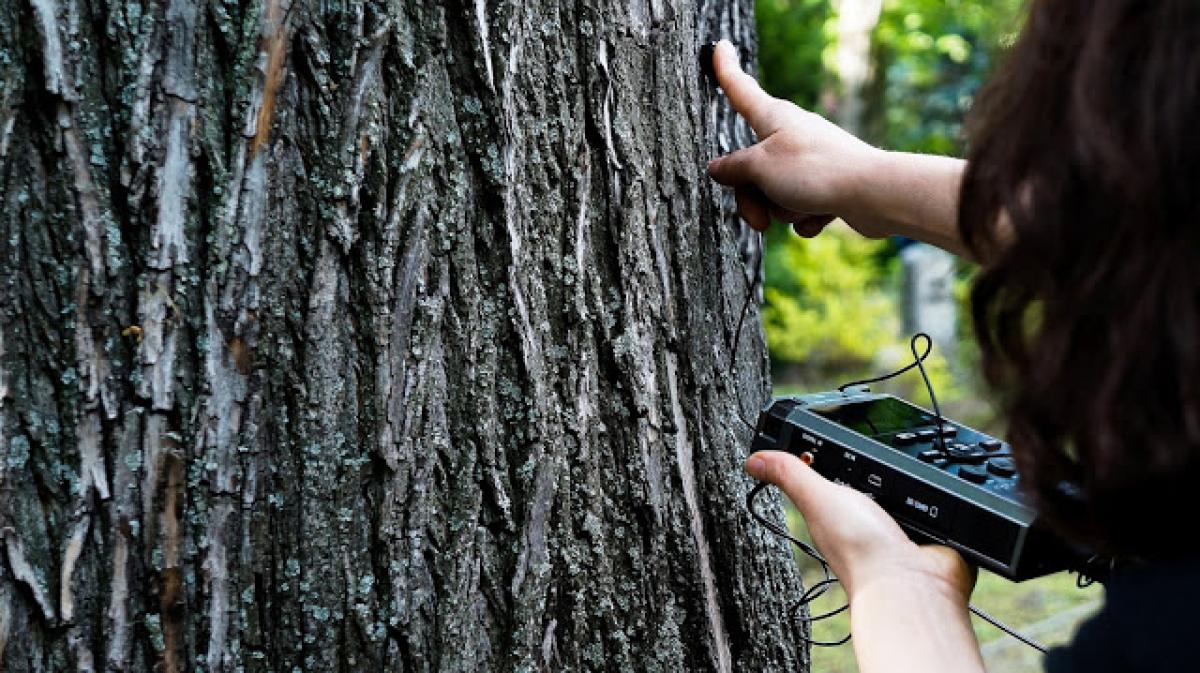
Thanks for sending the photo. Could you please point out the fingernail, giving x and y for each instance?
(756, 467)
(712, 164)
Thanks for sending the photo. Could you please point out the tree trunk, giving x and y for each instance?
(376, 336)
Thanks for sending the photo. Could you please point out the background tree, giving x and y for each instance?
(375, 336)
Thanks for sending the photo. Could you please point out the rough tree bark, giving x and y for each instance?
(375, 336)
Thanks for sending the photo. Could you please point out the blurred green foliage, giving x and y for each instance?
(931, 57)
(832, 303)
(827, 301)
(793, 36)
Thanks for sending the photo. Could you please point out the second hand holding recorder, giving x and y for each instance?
(950, 484)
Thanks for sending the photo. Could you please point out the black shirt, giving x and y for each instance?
(1149, 623)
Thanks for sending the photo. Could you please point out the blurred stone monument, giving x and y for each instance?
(929, 304)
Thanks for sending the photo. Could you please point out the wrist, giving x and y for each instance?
(861, 185)
(872, 204)
(934, 573)
(911, 195)
(913, 624)
(924, 586)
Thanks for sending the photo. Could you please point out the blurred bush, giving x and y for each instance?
(828, 303)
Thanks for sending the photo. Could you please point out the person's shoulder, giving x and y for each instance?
(1146, 624)
(1092, 649)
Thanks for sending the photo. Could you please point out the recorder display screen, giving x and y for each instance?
(876, 418)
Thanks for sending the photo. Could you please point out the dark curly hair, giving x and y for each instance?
(1082, 195)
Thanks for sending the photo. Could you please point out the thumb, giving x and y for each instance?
(802, 485)
(738, 168)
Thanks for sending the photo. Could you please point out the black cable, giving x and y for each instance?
(918, 363)
(1006, 628)
(735, 343)
(915, 363)
(820, 587)
(817, 589)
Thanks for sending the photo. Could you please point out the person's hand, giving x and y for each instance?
(863, 544)
(804, 170)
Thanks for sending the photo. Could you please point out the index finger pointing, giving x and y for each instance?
(744, 92)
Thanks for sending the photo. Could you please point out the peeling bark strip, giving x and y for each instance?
(274, 47)
(372, 336)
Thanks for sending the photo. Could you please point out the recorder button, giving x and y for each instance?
(990, 445)
(973, 473)
(965, 453)
(929, 456)
(1002, 467)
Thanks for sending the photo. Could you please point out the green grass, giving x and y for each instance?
(1048, 608)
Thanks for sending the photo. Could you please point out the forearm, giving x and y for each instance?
(902, 627)
(805, 168)
(908, 603)
(913, 195)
